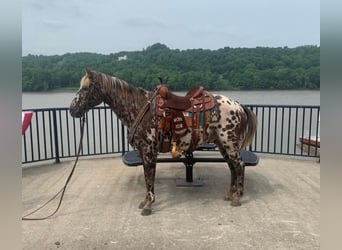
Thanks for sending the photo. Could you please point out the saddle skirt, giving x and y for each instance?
(176, 115)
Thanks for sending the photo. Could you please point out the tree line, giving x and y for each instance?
(223, 69)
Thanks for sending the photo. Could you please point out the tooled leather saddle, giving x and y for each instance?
(176, 114)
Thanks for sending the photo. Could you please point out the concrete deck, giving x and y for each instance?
(280, 208)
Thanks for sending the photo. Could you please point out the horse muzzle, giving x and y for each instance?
(76, 114)
(76, 110)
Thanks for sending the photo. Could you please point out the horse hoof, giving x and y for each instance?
(146, 211)
(235, 203)
(141, 205)
(228, 198)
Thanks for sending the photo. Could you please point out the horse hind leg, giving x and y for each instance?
(223, 151)
(237, 167)
(237, 185)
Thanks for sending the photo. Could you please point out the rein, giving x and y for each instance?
(62, 190)
(140, 115)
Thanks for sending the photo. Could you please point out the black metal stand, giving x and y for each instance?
(132, 159)
(189, 163)
(189, 180)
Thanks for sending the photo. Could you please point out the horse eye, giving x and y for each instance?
(83, 90)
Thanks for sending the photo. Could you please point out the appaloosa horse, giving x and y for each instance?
(230, 125)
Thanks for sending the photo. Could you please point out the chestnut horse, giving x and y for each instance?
(232, 130)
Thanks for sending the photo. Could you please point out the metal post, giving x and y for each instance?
(189, 166)
(123, 144)
(189, 162)
(54, 116)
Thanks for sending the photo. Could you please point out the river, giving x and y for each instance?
(267, 97)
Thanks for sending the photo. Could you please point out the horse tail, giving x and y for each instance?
(251, 127)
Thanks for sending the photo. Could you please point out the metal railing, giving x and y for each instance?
(53, 134)
(281, 126)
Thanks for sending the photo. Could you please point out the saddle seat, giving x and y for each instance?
(197, 99)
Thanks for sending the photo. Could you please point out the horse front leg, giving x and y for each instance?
(146, 204)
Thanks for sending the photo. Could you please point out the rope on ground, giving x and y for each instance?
(62, 190)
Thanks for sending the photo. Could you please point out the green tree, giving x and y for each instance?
(222, 69)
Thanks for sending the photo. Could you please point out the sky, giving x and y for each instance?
(56, 27)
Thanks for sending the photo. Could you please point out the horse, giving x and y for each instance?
(231, 128)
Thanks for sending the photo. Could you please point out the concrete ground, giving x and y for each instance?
(280, 208)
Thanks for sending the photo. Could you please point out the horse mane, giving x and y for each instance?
(123, 90)
(124, 99)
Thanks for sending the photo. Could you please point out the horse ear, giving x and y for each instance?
(91, 74)
(162, 81)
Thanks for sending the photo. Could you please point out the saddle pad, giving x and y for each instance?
(189, 114)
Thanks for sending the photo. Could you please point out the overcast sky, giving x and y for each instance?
(51, 27)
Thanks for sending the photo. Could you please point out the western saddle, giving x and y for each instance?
(176, 114)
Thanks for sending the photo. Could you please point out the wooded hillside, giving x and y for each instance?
(222, 69)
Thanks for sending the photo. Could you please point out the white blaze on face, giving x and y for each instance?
(84, 82)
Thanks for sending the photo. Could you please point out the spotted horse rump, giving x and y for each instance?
(160, 121)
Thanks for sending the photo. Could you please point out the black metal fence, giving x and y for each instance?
(53, 134)
(281, 126)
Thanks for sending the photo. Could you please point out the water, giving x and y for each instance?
(267, 97)
(267, 138)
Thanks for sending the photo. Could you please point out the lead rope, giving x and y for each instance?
(62, 190)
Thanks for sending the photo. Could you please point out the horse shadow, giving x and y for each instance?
(216, 183)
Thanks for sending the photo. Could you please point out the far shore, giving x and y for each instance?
(70, 90)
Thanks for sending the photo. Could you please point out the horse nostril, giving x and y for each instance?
(75, 113)
(72, 112)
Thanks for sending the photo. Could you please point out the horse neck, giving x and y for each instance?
(124, 99)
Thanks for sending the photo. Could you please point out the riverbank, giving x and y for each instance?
(264, 97)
